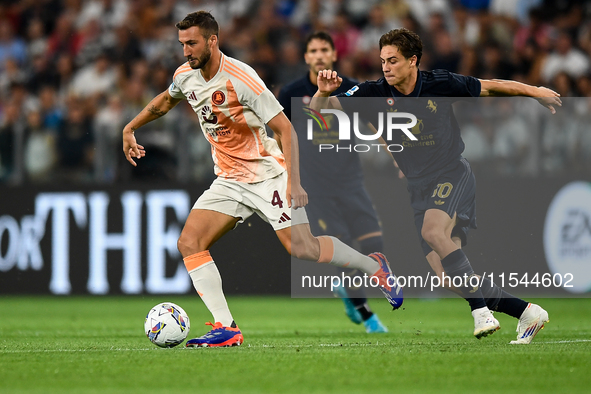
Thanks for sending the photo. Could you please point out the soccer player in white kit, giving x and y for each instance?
(253, 173)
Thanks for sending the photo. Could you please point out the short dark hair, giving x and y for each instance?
(319, 35)
(203, 20)
(408, 43)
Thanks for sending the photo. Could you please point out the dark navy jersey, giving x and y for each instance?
(328, 172)
(439, 142)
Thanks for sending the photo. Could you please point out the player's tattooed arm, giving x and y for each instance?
(156, 111)
(158, 107)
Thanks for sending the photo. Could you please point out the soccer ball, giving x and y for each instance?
(167, 325)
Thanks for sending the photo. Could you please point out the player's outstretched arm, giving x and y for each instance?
(288, 138)
(158, 107)
(328, 81)
(498, 87)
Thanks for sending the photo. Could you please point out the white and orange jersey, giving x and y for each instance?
(233, 108)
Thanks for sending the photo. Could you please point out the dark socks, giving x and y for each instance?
(357, 296)
(456, 264)
(492, 294)
(359, 300)
(364, 311)
(495, 298)
(511, 305)
(371, 245)
(499, 300)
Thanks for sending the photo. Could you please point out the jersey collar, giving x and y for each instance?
(218, 72)
(415, 93)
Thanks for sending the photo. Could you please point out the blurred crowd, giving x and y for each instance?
(74, 72)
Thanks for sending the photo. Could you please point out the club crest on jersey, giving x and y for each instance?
(432, 105)
(218, 97)
(208, 116)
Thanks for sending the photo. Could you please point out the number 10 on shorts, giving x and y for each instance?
(442, 190)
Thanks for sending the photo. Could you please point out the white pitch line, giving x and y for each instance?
(317, 345)
(156, 349)
(573, 341)
(73, 350)
(249, 346)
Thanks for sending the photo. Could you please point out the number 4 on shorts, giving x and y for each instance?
(276, 200)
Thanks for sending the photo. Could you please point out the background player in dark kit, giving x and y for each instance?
(338, 202)
(440, 181)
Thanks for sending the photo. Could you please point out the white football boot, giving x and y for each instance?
(484, 322)
(531, 321)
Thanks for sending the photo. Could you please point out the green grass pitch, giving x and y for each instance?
(97, 345)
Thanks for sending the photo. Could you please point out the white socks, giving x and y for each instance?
(335, 252)
(208, 283)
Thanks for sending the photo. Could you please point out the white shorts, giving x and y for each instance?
(240, 200)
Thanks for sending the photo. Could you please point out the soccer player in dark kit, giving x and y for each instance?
(338, 203)
(440, 181)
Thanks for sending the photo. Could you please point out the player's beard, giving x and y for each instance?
(202, 60)
(316, 68)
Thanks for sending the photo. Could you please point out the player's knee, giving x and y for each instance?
(182, 246)
(432, 235)
(189, 245)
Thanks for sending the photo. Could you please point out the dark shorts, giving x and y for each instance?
(453, 191)
(347, 216)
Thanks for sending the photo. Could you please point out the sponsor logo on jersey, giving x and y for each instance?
(218, 97)
(418, 128)
(215, 132)
(192, 96)
(208, 116)
(439, 202)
